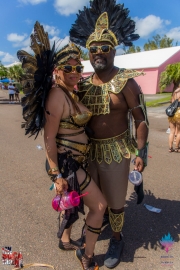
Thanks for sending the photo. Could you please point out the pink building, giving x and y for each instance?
(151, 62)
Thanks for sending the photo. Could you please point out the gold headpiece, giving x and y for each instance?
(102, 32)
(103, 20)
(67, 52)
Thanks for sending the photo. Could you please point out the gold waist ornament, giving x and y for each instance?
(113, 148)
(77, 146)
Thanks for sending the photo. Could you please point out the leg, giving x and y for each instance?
(171, 136)
(177, 137)
(114, 182)
(93, 171)
(97, 205)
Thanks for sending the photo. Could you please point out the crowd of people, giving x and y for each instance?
(13, 92)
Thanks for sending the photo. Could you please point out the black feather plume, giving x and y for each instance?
(40, 68)
(119, 22)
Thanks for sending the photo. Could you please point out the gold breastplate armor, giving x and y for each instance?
(97, 98)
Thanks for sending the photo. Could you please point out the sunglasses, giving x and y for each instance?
(69, 68)
(102, 48)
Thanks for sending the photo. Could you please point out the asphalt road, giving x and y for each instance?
(29, 224)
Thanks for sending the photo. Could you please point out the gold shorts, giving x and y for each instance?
(112, 179)
(176, 118)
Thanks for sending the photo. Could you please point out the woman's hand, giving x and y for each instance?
(61, 186)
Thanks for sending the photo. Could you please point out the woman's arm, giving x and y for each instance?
(55, 107)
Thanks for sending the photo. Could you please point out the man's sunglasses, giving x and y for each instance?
(69, 68)
(102, 48)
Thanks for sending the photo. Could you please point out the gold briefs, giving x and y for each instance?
(113, 148)
(176, 118)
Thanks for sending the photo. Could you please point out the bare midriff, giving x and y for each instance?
(113, 124)
(81, 138)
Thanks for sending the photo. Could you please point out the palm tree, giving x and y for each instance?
(3, 71)
(170, 75)
(16, 72)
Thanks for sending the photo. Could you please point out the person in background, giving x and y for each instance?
(17, 99)
(11, 90)
(174, 124)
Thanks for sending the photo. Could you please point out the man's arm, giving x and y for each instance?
(135, 101)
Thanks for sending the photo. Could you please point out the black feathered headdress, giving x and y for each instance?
(104, 20)
(39, 76)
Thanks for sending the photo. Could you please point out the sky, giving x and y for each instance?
(17, 18)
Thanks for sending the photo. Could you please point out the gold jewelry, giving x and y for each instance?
(116, 221)
(55, 169)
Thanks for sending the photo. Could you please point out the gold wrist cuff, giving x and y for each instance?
(55, 169)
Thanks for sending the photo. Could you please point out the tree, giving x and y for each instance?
(16, 72)
(3, 71)
(84, 55)
(170, 75)
(132, 49)
(158, 42)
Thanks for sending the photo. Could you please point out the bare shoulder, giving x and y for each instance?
(131, 89)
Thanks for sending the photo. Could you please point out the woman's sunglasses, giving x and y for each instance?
(69, 68)
(102, 48)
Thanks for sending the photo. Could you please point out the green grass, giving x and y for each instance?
(157, 102)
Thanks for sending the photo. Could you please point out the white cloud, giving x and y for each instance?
(174, 33)
(32, 2)
(52, 30)
(28, 50)
(67, 7)
(59, 43)
(7, 58)
(28, 21)
(167, 22)
(151, 23)
(2, 53)
(13, 37)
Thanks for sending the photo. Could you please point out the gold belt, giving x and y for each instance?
(82, 148)
(113, 148)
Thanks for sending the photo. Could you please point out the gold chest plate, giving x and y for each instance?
(97, 98)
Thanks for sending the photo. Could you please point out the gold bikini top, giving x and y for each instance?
(75, 121)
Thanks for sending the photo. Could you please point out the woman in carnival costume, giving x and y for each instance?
(57, 110)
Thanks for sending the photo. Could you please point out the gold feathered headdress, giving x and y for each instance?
(106, 21)
(39, 76)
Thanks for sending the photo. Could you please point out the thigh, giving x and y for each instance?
(172, 127)
(178, 128)
(92, 170)
(94, 199)
(114, 182)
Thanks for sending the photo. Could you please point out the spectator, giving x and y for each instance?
(16, 93)
(11, 90)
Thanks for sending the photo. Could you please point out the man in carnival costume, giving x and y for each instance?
(114, 97)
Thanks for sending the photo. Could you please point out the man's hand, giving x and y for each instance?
(139, 164)
(61, 186)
